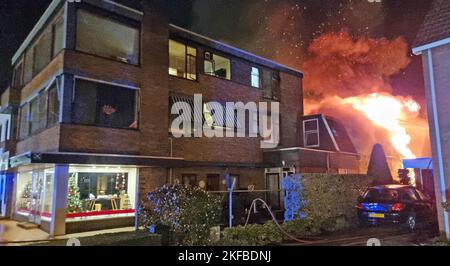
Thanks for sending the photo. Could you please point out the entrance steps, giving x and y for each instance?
(27, 226)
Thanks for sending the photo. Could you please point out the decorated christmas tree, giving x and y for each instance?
(74, 203)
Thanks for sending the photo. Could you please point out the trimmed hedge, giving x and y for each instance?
(330, 200)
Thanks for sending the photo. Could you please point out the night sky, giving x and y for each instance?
(271, 28)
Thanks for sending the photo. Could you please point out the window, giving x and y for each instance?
(217, 66)
(24, 130)
(104, 192)
(18, 75)
(53, 106)
(104, 105)
(271, 85)
(39, 112)
(311, 133)
(256, 79)
(107, 38)
(42, 53)
(190, 180)
(182, 60)
(58, 36)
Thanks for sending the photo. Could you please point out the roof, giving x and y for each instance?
(228, 49)
(337, 133)
(420, 163)
(437, 24)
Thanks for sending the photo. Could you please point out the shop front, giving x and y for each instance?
(93, 194)
(69, 193)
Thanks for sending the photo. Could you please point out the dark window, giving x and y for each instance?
(58, 36)
(213, 183)
(409, 195)
(381, 194)
(53, 106)
(24, 113)
(18, 75)
(39, 112)
(190, 180)
(42, 53)
(107, 38)
(271, 85)
(104, 105)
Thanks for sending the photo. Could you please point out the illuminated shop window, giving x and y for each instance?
(34, 195)
(182, 60)
(256, 77)
(101, 192)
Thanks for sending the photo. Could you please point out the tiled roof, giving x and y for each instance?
(437, 24)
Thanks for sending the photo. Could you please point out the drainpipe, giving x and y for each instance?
(438, 139)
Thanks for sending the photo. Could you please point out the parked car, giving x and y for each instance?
(396, 204)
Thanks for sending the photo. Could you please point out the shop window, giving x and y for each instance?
(182, 60)
(58, 36)
(217, 66)
(256, 78)
(104, 105)
(107, 38)
(34, 195)
(101, 192)
(42, 53)
(311, 133)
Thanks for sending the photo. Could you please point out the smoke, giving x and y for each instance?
(342, 66)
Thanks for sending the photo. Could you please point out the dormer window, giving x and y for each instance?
(311, 135)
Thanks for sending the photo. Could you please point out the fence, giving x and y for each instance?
(242, 200)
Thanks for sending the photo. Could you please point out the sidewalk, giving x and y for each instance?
(10, 232)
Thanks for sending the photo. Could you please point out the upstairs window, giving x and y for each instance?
(58, 36)
(42, 53)
(18, 75)
(182, 60)
(104, 105)
(311, 133)
(107, 38)
(40, 113)
(271, 85)
(217, 66)
(256, 78)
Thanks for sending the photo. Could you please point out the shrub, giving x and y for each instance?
(189, 213)
(331, 199)
(301, 228)
(252, 235)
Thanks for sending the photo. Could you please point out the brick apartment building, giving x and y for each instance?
(433, 44)
(89, 110)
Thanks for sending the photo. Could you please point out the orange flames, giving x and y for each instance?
(388, 112)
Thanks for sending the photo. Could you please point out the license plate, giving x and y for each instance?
(377, 215)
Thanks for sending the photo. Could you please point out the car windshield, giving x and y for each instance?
(381, 194)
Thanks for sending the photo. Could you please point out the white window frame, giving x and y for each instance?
(309, 132)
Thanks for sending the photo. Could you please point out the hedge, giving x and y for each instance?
(330, 200)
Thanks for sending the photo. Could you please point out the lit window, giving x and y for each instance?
(256, 79)
(182, 60)
(101, 192)
(311, 133)
(217, 66)
(107, 38)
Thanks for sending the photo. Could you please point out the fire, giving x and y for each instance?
(388, 112)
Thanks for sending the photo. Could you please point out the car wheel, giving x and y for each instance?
(411, 222)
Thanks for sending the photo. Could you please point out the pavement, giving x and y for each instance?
(10, 232)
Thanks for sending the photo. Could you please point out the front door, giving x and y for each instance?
(273, 185)
(36, 197)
